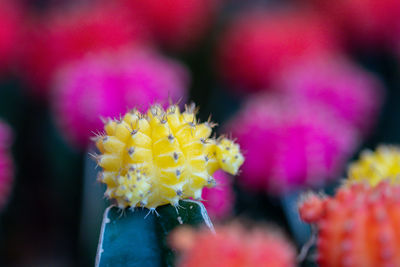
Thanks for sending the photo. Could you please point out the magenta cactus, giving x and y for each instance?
(350, 92)
(108, 84)
(290, 144)
(220, 199)
(6, 165)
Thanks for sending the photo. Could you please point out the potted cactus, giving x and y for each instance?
(155, 165)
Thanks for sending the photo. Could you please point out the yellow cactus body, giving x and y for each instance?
(374, 167)
(162, 156)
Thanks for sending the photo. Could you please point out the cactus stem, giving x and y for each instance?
(308, 245)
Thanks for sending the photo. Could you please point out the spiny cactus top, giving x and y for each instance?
(373, 167)
(161, 156)
(359, 226)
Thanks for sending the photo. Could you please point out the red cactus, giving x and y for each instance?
(176, 24)
(10, 30)
(233, 246)
(358, 226)
(61, 37)
(260, 45)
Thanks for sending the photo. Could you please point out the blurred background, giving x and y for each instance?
(303, 86)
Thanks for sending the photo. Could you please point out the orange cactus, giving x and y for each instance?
(232, 246)
(359, 226)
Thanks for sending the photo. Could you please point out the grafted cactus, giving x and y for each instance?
(153, 161)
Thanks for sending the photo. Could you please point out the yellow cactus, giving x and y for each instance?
(373, 167)
(161, 156)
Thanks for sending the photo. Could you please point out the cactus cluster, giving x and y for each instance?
(232, 245)
(358, 226)
(162, 156)
(373, 167)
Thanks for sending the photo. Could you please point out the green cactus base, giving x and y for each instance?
(138, 238)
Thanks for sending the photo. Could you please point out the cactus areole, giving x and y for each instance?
(161, 156)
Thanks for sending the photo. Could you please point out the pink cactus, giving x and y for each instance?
(352, 93)
(108, 84)
(233, 246)
(6, 165)
(290, 144)
(219, 200)
(67, 35)
(258, 46)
